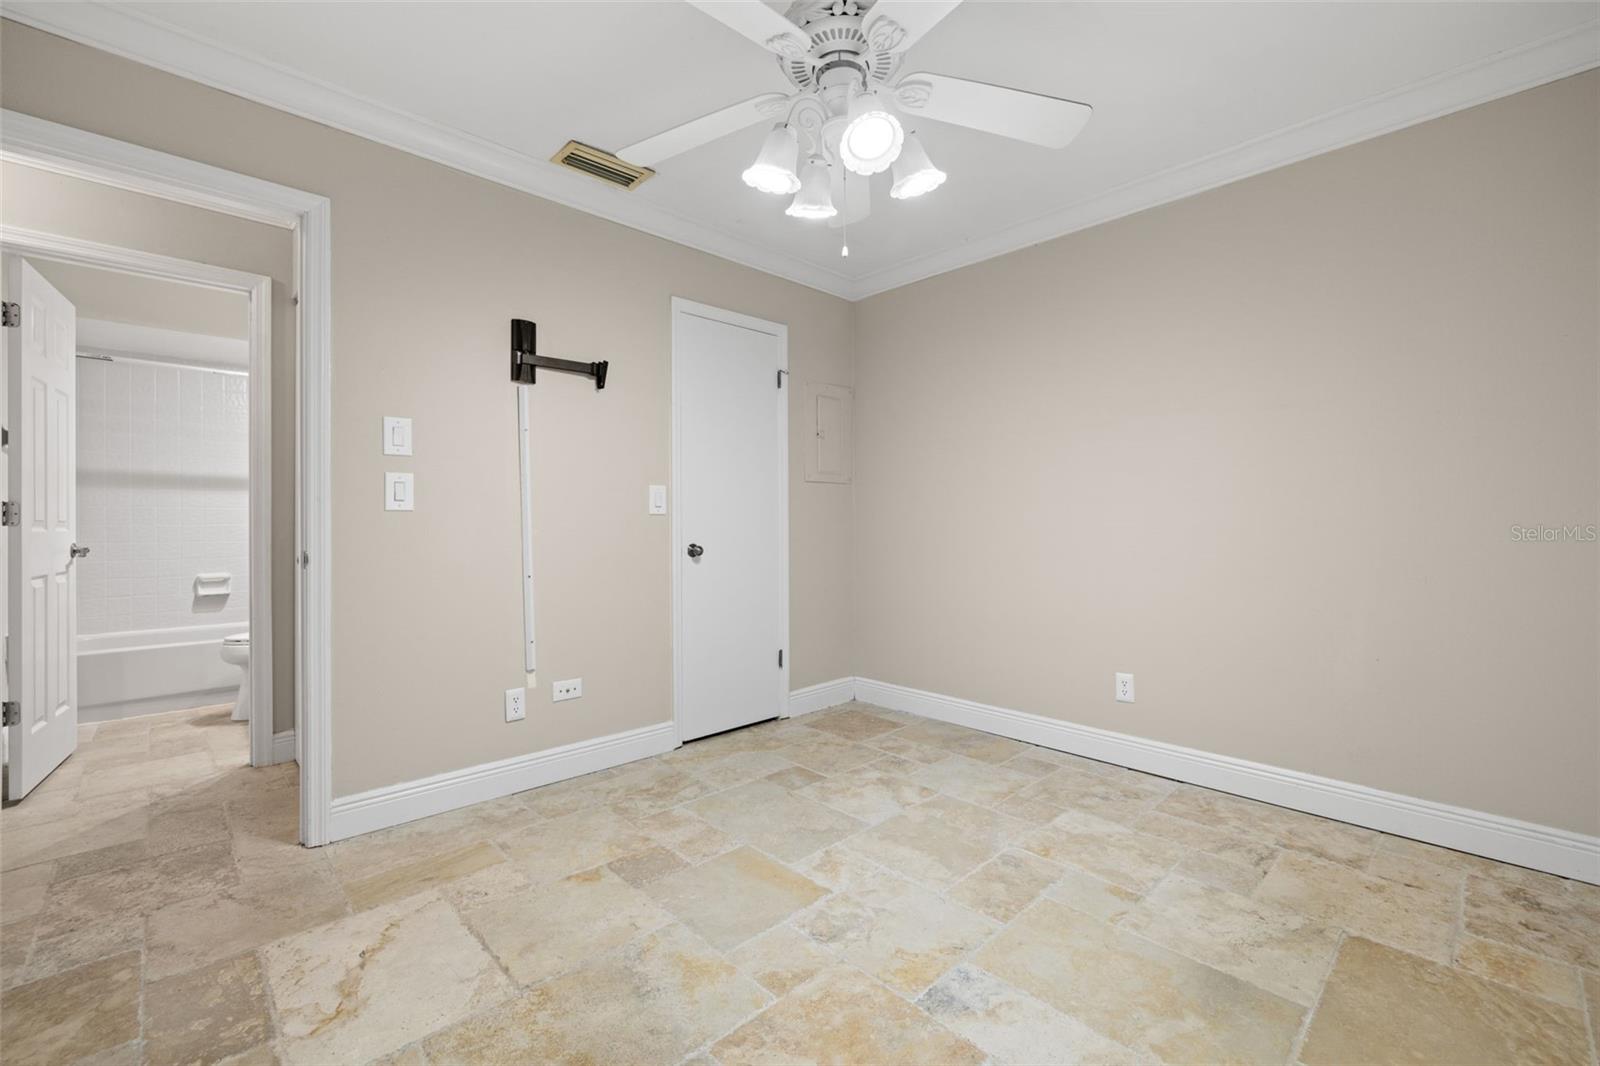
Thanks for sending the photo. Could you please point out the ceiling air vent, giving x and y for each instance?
(602, 165)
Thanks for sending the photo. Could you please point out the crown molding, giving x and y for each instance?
(153, 42)
(1548, 59)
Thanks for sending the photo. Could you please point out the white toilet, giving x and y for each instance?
(236, 650)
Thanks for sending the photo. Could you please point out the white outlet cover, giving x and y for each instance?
(396, 436)
(1124, 688)
(399, 491)
(570, 689)
(516, 704)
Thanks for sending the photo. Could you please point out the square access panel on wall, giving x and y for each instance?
(827, 415)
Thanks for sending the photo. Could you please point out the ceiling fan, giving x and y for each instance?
(843, 124)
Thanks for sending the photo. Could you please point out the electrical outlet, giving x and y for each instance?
(570, 689)
(1124, 688)
(516, 704)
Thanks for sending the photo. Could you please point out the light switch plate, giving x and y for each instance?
(397, 436)
(658, 499)
(399, 491)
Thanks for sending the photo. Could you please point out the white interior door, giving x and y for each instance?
(731, 539)
(43, 628)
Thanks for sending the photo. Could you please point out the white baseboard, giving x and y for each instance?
(1556, 851)
(817, 697)
(283, 747)
(380, 808)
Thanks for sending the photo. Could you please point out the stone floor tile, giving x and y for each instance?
(1109, 850)
(1414, 919)
(731, 898)
(1552, 920)
(842, 1016)
(1553, 980)
(561, 846)
(781, 959)
(687, 835)
(1137, 993)
(781, 823)
(983, 783)
(825, 754)
(645, 866)
(938, 842)
(368, 984)
(428, 872)
(1272, 947)
(656, 1001)
(207, 1014)
(1002, 887)
(73, 1015)
(555, 927)
(261, 908)
(898, 932)
(867, 794)
(850, 723)
(1011, 1026)
(1382, 1005)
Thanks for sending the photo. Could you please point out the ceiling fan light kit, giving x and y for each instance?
(774, 169)
(914, 172)
(872, 135)
(815, 198)
(843, 59)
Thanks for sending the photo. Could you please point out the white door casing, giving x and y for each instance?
(730, 480)
(43, 630)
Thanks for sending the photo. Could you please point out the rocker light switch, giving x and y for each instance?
(398, 492)
(397, 436)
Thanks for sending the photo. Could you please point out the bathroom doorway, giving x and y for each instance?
(161, 440)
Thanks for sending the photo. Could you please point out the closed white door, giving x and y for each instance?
(42, 419)
(731, 483)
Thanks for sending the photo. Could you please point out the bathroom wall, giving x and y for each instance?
(163, 495)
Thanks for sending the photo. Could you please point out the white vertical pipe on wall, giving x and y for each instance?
(526, 456)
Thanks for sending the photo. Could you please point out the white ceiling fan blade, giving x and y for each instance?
(852, 196)
(756, 21)
(895, 25)
(1033, 117)
(703, 130)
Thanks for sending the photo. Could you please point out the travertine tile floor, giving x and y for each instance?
(851, 886)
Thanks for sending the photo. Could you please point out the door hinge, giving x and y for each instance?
(780, 658)
(10, 513)
(12, 712)
(780, 378)
(10, 313)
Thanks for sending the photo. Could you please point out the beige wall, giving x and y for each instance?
(116, 297)
(52, 203)
(428, 266)
(1264, 448)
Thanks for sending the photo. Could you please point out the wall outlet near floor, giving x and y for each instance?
(569, 689)
(516, 704)
(1124, 688)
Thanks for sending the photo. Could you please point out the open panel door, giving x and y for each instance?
(41, 417)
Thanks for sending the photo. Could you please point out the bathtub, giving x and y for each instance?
(146, 671)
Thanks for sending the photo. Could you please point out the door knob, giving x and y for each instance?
(695, 551)
(77, 552)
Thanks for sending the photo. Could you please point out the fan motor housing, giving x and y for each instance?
(840, 53)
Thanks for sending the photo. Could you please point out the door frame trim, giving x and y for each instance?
(780, 694)
(78, 153)
(257, 291)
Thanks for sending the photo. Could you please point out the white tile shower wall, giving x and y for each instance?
(163, 495)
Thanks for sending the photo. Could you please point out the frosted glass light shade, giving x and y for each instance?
(872, 135)
(815, 199)
(914, 172)
(774, 169)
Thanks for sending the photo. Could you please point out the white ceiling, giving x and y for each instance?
(1186, 96)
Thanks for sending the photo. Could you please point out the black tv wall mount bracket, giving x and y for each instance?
(524, 360)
